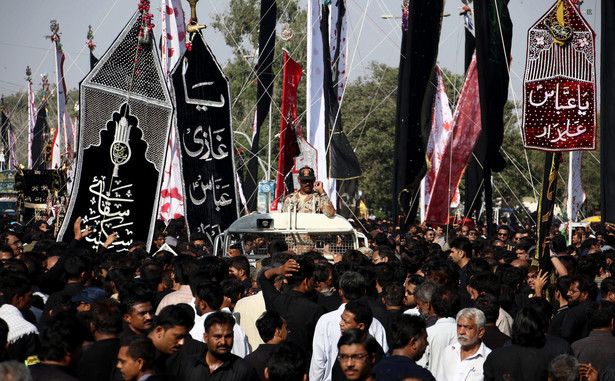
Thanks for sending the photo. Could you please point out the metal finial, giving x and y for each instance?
(54, 26)
(193, 25)
(286, 33)
(28, 71)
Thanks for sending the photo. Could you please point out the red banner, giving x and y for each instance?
(288, 140)
(559, 88)
(456, 153)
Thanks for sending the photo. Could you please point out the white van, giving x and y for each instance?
(301, 231)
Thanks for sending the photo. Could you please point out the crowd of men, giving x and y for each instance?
(443, 303)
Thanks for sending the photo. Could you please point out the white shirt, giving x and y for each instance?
(324, 346)
(413, 312)
(240, 342)
(504, 322)
(246, 312)
(439, 336)
(456, 369)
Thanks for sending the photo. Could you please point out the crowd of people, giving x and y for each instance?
(429, 303)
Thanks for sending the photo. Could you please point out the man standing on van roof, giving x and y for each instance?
(311, 197)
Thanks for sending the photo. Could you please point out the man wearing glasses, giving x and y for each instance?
(311, 197)
(357, 355)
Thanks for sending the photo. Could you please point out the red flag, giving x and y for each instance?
(288, 141)
(466, 128)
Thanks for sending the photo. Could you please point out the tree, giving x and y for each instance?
(240, 25)
(368, 115)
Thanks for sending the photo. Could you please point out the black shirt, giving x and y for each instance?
(258, 359)
(300, 312)
(195, 368)
(98, 360)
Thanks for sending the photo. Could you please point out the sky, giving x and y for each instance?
(24, 23)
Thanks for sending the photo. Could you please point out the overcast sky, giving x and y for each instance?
(24, 23)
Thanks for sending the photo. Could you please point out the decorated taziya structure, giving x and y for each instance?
(125, 119)
(559, 103)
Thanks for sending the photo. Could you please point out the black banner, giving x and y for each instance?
(545, 208)
(493, 28)
(264, 91)
(38, 143)
(125, 118)
(419, 50)
(342, 161)
(203, 104)
(607, 113)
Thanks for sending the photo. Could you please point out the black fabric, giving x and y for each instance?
(494, 338)
(35, 185)
(264, 91)
(93, 60)
(49, 372)
(558, 319)
(329, 303)
(342, 163)
(300, 312)
(69, 290)
(474, 170)
(37, 141)
(195, 368)
(206, 141)
(419, 50)
(575, 325)
(23, 348)
(98, 181)
(123, 136)
(258, 359)
(515, 362)
(348, 200)
(493, 27)
(545, 208)
(98, 360)
(607, 112)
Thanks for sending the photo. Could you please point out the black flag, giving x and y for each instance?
(342, 161)
(203, 104)
(264, 90)
(607, 113)
(419, 50)
(493, 41)
(38, 143)
(545, 208)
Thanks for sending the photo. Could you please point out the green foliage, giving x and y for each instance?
(368, 115)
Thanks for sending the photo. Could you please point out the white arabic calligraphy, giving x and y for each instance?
(561, 135)
(111, 220)
(206, 143)
(201, 103)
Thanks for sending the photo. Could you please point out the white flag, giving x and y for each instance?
(32, 111)
(173, 44)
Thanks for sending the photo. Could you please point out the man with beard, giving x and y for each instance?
(581, 294)
(464, 360)
(217, 363)
(412, 282)
(408, 344)
(311, 197)
(357, 355)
